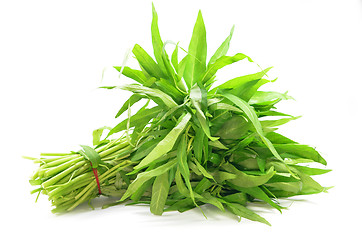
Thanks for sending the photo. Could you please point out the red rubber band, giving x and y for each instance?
(95, 172)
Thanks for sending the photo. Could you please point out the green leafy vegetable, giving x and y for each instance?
(191, 144)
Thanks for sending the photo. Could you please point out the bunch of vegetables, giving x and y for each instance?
(191, 144)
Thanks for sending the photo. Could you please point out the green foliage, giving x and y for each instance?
(196, 145)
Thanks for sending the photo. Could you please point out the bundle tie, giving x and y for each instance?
(93, 157)
(95, 172)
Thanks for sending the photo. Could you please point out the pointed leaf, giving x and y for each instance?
(250, 113)
(199, 100)
(268, 98)
(156, 40)
(145, 176)
(134, 74)
(245, 86)
(156, 94)
(174, 58)
(132, 100)
(166, 144)
(97, 134)
(147, 62)
(196, 61)
(244, 180)
(143, 115)
(182, 163)
(223, 49)
(91, 155)
(160, 190)
(220, 63)
(244, 212)
(203, 170)
(257, 193)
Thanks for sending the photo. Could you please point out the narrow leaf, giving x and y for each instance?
(143, 115)
(203, 170)
(182, 163)
(197, 51)
(160, 190)
(97, 134)
(132, 100)
(91, 155)
(166, 144)
(250, 113)
(174, 58)
(223, 49)
(245, 86)
(147, 62)
(244, 212)
(145, 176)
(161, 97)
(156, 40)
(220, 63)
(199, 100)
(134, 74)
(244, 180)
(258, 193)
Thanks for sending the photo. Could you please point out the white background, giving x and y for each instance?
(53, 53)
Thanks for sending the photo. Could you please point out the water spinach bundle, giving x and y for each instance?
(194, 142)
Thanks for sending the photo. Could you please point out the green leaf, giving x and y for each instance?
(268, 98)
(136, 75)
(198, 100)
(244, 180)
(234, 128)
(156, 95)
(292, 187)
(145, 149)
(311, 171)
(217, 144)
(156, 40)
(174, 59)
(97, 134)
(203, 170)
(182, 164)
(147, 62)
(220, 63)
(238, 197)
(310, 186)
(224, 106)
(300, 151)
(221, 176)
(206, 197)
(145, 176)
(132, 100)
(244, 212)
(137, 195)
(277, 138)
(250, 113)
(267, 124)
(223, 49)
(166, 144)
(245, 86)
(169, 88)
(181, 205)
(257, 193)
(143, 115)
(203, 185)
(180, 184)
(196, 61)
(91, 155)
(198, 143)
(271, 113)
(160, 190)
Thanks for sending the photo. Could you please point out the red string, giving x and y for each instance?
(95, 172)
